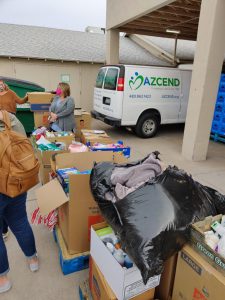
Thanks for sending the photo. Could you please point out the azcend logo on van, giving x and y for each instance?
(137, 81)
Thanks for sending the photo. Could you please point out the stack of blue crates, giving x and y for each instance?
(218, 124)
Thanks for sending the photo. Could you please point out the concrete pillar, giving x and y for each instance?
(205, 79)
(112, 46)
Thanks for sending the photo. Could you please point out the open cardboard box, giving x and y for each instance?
(89, 136)
(82, 121)
(196, 279)
(78, 211)
(63, 139)
(44, 158)
(125, 283)
(198, 242)
(100, 289)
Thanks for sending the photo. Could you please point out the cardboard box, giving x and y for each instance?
(41, 119)
(40, 98)
(196, 279)
(90, 136)
(44, 158)
(125, 283)
(82, 120)
(44, 174)
(198, 242)
(64, 139)
(165, 289)
(101, 290)
(78, 211)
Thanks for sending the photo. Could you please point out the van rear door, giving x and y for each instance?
(108, 92)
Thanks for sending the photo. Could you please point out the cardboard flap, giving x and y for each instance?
(50, 196)
(45, 156)
(82, 161)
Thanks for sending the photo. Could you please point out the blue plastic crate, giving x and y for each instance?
(222, 130)
(215, 127)
(222, 86)
(69, 263)
(222, 78)
(125, 151)
(217, 117)
(220, 98)
(218, 108)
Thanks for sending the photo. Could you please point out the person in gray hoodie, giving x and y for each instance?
(62, 109)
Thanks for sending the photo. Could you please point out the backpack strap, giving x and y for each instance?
(6, 119)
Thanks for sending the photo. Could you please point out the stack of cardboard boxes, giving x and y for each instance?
(197, 273)
(39, 104)
(79, 216)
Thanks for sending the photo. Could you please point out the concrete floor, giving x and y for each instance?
(49, 283)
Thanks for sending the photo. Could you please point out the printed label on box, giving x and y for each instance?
(139, 287)
(191, 263)
(197, 295)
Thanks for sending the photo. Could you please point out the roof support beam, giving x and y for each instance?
(120, 12)
(191, 37)
(153, 49)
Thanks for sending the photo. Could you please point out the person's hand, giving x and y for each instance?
(26, 97)
(53, 117)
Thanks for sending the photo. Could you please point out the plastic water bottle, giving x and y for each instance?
(110, 247)
(119, 256)
(128, 262)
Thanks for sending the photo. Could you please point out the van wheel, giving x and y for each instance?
(147, 126)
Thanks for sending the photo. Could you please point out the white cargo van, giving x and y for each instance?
(141, 97)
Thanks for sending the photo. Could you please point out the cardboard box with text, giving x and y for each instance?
(101, 290)
(93, 136)
(125, 283)
(196, 279)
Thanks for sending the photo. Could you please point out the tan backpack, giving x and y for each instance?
(19, 167)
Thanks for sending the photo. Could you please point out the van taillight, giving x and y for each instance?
(120, 84)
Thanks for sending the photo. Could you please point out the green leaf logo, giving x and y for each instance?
(137, 82)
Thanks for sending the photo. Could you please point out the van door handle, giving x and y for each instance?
(106, 100)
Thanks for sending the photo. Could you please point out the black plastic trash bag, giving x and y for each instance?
(153, 222)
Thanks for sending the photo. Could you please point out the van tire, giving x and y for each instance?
(147, 126)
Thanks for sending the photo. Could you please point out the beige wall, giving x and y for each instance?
(48, 74)
(120, 12)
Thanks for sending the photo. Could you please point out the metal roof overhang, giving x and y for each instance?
(181, 16)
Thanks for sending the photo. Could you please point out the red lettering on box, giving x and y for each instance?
(198, 295)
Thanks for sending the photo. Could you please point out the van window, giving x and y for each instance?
(111, 79)
(100, 78)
